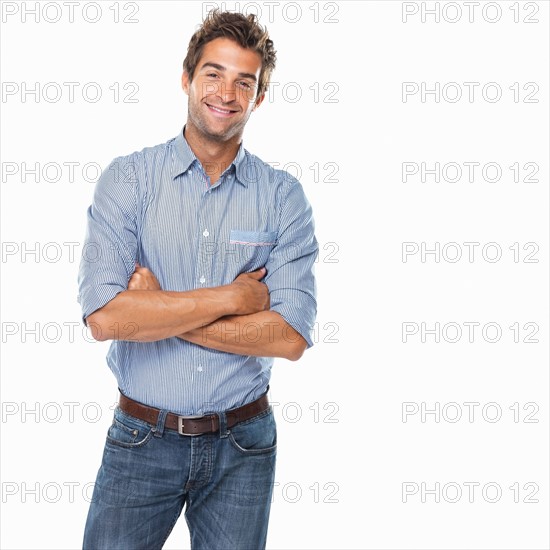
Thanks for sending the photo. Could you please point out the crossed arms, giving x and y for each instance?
(234, 318)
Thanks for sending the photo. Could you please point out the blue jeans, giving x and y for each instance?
(225, 480)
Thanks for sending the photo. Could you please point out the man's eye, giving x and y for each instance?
(212, 74)
(245, 85)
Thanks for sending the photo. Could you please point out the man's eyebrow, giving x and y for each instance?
(222, 68)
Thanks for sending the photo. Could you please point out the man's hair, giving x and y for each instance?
(244, 30)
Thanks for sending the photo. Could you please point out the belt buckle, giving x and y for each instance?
(180, 425)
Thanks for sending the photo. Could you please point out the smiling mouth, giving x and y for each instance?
(220, 111)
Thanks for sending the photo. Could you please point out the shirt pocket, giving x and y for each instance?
(252, 248)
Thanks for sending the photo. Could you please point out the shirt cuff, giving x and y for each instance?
(93, 298)
(298, 309)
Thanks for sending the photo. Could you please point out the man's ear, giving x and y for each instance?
(185, 82)
(259, 101)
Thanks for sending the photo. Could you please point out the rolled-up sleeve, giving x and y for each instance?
(290, 268)
(110, 245)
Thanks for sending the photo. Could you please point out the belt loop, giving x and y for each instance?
(222, 419)
(159, 428)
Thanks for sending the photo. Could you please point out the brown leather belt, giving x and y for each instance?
(193, 425)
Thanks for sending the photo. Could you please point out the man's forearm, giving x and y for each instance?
(150, 315)
(145, 313)
(263, 334)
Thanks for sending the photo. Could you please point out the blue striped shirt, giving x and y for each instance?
(157, 207)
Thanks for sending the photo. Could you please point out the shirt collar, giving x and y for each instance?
(184, 158)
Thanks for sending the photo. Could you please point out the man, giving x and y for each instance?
(199, 266)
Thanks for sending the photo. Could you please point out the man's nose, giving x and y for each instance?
(227, 93)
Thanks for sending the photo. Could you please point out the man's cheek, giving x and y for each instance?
(209, 88)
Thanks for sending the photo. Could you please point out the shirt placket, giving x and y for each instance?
(205, 255)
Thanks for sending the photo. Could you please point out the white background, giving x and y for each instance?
(360, 375)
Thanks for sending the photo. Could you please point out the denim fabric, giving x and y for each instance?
(148, 474)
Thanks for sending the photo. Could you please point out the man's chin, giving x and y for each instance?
(216, 130)
(219, 134)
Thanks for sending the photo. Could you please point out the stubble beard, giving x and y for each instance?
(199, 120)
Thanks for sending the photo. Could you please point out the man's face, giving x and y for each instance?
(222, 94)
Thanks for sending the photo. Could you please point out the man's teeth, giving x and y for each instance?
(219, 110)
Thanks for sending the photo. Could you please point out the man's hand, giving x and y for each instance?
(249, 293)
(143, 279)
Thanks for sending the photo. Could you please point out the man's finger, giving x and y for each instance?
(258, 274)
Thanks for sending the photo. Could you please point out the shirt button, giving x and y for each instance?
(206, 233)
(202, 280)
(199, 369)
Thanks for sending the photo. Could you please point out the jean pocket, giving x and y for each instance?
(256, 436)
(127, 431)
(252, 248)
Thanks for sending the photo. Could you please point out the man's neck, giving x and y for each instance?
(214, 156)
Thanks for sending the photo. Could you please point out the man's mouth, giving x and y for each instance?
(220, 111)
